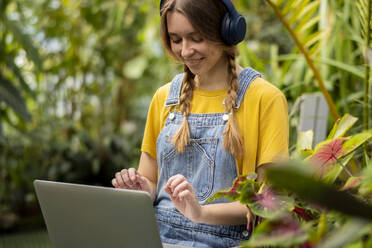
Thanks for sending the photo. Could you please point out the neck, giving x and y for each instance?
(216, 78)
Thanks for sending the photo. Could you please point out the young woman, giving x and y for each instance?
(210, 124)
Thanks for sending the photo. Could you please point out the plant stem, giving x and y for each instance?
(309, 61)
(343, 166)
(322, 225)
(366, 77)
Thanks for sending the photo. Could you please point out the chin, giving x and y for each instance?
(195, 70)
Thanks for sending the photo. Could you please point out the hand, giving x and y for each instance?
(131, 179)
(183, 197)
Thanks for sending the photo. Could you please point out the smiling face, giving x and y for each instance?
(199, 54)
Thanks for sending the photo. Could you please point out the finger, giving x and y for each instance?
(126, 179)
(181, 187)
(114, 183)
(170, 180)
(119, 180)
(132, 174)
(186, 194)
(142, 181)
(168, 190)
(174, 180)
(177, 181)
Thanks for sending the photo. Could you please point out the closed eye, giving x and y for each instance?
(197, 39)
(176, 41)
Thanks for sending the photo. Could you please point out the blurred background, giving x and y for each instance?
(77, 77)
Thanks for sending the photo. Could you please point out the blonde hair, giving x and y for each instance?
(205, 16)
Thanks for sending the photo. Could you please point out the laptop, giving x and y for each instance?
(91, 216)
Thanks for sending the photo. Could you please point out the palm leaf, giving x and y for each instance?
(365, 9)
(300, 17)
(11, 96)
(1, 128)
(17, 72)
(25, 40)
(342, 66)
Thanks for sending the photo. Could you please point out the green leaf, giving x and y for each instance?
(355, 141)
(306, 14)
(1, 128)
(352, 182)
(342, 126)
(367, 159)
(270, 204)
(304, 141)
(362, 6)
(249, 58)
(331, 176)
(284, 231)
(11, 96)
(343, 66)
(243, 187)
(313, 38)
(17, 72)
(134, 68)
(316, 191)
(365, 189)
(353, 230)
(26, 42)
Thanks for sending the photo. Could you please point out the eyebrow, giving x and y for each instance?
(188, 34)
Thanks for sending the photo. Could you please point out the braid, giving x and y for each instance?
(182, 137)
(232, 140)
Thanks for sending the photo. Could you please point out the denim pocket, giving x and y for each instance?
(196, 164)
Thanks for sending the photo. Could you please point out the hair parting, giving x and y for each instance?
(182, 137)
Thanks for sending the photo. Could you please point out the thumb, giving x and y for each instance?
(142, 182)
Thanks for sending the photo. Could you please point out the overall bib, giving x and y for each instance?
(205, 164)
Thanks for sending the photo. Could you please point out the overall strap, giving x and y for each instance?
(175, 91)
(245, 79)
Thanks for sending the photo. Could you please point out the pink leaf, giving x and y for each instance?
(267, 199)
(352, 182)
(328, 153)
(304, 213)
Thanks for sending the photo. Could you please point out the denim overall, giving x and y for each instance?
(205, 164)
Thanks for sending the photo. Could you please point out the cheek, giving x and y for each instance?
(216, 54)
(176, 49)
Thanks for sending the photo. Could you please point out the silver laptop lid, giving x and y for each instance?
(90, 216)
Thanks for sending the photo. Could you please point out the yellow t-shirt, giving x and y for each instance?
(262, 119)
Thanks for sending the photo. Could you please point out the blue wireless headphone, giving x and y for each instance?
(233, 26)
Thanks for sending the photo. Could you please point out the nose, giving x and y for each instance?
(187, 49)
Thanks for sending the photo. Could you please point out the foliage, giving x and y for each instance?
(365, 11)
(305, 199)
(298, 17)
(85, 71)
(337, 32)
(76, 78)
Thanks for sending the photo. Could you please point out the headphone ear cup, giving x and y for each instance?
(233, 30)
(225, 29)
(238, 29)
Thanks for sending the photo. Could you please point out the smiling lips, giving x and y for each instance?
(193, 61)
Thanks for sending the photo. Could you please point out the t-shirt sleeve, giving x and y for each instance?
(273, 129)
(153, 125)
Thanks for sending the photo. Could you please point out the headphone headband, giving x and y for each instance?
(230, 7)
